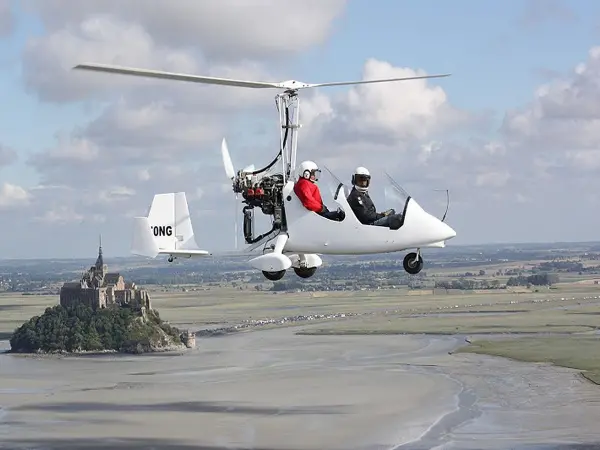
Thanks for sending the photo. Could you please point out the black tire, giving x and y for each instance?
(413, 263)
(305, 272)
(274, 276)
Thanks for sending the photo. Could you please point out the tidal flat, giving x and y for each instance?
(278, 389)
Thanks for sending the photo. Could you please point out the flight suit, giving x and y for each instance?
(363, 207)
(310, 196)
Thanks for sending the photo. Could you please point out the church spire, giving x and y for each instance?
(100, 259)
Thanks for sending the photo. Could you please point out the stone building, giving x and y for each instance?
(99, 288)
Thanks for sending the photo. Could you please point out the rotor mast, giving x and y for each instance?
(288, 104)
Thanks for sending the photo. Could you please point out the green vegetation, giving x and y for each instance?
(576, 352)
(81, 329)
(541, 279)
(535, 321)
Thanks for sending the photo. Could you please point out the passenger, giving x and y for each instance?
(363, 207)
(308, 192)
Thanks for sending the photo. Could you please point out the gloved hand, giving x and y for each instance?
(389, 211)
(341, 214)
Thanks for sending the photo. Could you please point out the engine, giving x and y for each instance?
(264, 193)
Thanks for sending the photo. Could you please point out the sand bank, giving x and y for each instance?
(274, 390)
(269, 390)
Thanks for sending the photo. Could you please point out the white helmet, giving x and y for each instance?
(361, 179)
(307, 169)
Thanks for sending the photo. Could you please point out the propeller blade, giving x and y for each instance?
(229, 169)
(289, 84)
(173, 76)
(383, 80)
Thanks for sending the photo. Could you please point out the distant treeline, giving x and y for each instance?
(540, 279)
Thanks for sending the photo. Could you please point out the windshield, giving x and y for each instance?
(385, 192)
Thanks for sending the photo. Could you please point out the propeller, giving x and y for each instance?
(289, 84)
(229, 170)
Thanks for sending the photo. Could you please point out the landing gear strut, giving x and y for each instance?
(413, 262)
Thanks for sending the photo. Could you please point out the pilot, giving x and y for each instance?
(308, 192)
(362, 205)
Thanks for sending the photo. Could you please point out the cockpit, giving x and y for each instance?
(386, 200)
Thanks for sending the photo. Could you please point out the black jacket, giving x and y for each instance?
(363, 207)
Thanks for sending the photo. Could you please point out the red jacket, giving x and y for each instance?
(309, 194)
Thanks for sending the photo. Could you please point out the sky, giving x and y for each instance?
(513, 133)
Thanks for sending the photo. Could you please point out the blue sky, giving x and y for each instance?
(498, 53)
(482, 42)
(493, 57)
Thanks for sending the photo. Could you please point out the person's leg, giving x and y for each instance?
(383, 222)
(388, 221)
(334, 215)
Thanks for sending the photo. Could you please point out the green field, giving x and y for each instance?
(569, 309)
(575, 351)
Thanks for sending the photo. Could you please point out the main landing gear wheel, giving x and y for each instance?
(273, 276)
(413, 263)
(305, 272)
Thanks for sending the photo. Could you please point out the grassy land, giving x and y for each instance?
(577, 352)
(571, 309)
(519, 321)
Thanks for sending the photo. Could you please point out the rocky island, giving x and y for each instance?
(99, 313)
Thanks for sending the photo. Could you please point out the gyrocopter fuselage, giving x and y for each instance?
(297, 235)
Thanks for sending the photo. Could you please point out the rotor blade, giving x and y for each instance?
(384, 80)
(173, 76)
(229, 169)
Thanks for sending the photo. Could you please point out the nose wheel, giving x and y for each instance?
(413, 263)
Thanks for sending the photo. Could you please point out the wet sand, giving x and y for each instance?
(275, 390)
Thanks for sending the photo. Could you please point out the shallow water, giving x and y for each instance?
(275, 390)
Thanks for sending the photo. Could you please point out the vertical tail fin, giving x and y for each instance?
(169, 219)
(143, 243)
(168, 227)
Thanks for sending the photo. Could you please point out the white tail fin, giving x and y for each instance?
(167, 229)
(143, 243)
(170, 222)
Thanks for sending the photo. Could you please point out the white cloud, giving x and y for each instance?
(153, 136)
(13, 196)
(224, 29)
(559, 130)
(493, 178)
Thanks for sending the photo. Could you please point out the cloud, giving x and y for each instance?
(13, 196)
(150, 136)
(223, 29)
(7, 156)
(537, 12)
(560, 128)
(402, 127)
(6, 18)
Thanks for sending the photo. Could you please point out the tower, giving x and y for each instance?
(100, 268)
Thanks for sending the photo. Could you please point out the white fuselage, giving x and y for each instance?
(311, 233)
